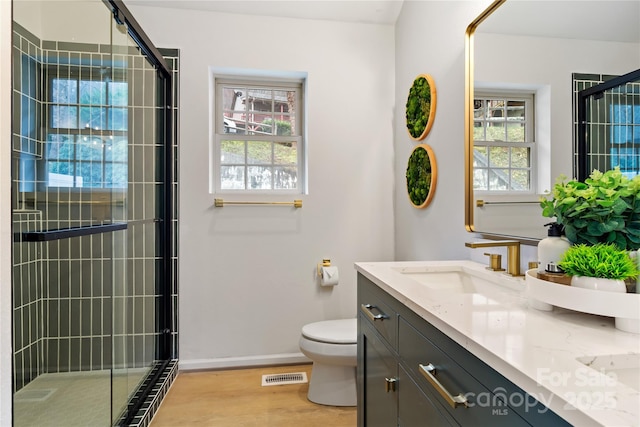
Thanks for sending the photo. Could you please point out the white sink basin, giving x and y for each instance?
(453, 279)
(622, 368)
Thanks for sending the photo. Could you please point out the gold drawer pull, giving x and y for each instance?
(368, 310)
(429, 372)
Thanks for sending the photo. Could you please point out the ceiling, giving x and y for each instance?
(365, 11)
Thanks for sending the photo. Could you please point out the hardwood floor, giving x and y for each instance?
(236, 398)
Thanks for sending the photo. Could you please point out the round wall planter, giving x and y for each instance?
(421, 175)
(421, 107)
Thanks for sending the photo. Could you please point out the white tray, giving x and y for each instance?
(544, 295)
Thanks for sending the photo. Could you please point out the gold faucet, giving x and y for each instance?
(513, 253)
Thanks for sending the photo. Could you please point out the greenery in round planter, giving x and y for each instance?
(421, 176)
(420, 107)
(603, 260)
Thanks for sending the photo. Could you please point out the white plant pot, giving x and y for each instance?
(599, 284)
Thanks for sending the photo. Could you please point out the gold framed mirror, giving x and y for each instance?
(539, 47)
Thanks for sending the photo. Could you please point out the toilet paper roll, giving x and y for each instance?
(329, 276)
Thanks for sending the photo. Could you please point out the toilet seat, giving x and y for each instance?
(342, 331)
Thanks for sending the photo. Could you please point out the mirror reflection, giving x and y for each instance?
(527, 62)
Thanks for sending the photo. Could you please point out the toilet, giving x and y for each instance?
(331, 345)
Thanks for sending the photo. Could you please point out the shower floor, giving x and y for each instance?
(75, 398)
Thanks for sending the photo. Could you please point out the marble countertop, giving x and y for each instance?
(536, 350)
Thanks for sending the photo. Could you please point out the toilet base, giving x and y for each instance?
(333, 385)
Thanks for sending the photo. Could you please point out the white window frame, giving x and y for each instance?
(530, 137)
(240, 78)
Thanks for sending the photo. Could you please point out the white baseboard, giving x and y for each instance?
(242, 362)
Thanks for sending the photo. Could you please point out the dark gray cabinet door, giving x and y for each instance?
(416, 409)
(379, 381)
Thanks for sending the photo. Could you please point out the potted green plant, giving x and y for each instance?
(603, 209)
(602, 266)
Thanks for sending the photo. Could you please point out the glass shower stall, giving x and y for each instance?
(94, 185)
(608, 124)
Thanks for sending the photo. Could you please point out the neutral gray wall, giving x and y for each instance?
(247, 274)
(430, 40)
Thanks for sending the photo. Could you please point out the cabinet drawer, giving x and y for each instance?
(416, 409)
(439, 376)
(374, 307)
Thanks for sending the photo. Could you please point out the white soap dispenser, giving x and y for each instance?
(552, 248)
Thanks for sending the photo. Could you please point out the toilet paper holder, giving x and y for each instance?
(325, 263)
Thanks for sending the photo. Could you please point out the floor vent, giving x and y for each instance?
(281, 379)
(34, 395)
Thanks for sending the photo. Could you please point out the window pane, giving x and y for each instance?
(279, 126)
(499, 179)
(520, 157)
(60, 174)
(284, 110)
(64, 91)
(115, 175)
(60, 147)
(480, 156)
(232, 97)
(118, 118)
(515, 132)
(118, 93)
(285, 153)
(93, 92)
(93, 117)
(117, 150)
(90, 149)
(64, 117)
(91, 173)
(285, 178)
(232, 152)
(495, 131)
(479, 109)
(232, 177)
(258, 152)
(499, 157)
(478, 132)
(259, 177)
(520, 180)
(515, 110)
(480, 178)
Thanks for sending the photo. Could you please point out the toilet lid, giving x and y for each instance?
(342, 331)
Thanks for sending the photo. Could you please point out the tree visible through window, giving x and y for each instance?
(87, 132)
(258, 135)
(503, 143)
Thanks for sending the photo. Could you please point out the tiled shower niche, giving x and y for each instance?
(87, 303)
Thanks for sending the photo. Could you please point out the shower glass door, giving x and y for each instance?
(136, 296)
(89, 205)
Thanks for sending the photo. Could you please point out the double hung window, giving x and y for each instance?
(503, 143)
(258, 136)
(87, 124)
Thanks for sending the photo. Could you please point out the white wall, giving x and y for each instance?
(51, 20)
(501, 59)
(430, 40)
(247, 274)
(5, 216)
(561, 58)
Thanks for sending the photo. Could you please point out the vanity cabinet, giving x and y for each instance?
(411, 374)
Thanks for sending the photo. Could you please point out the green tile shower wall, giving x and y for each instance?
(85, 287)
